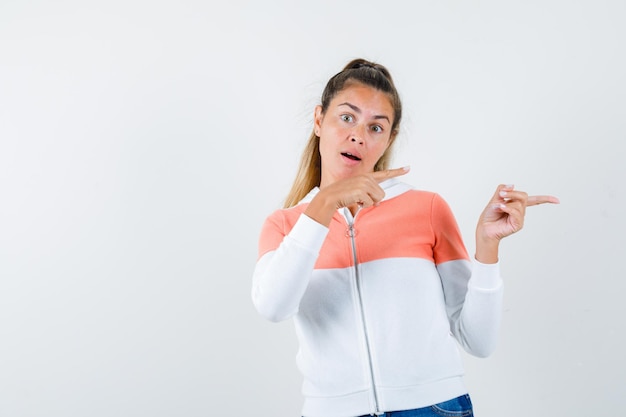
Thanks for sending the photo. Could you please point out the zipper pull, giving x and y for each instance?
(350, 231)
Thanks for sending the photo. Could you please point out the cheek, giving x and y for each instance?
(381, 148)
(334, 130)
(331, 135)
(325, 144)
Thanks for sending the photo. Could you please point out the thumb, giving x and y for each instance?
(381, 176)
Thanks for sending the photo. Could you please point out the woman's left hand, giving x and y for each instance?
(503, 216)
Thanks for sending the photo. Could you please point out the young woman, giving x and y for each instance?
(375, 273)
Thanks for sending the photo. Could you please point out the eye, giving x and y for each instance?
(377, 129)
(347, 118)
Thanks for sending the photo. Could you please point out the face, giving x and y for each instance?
(354, 132)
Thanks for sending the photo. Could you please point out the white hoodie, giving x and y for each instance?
(379, 302)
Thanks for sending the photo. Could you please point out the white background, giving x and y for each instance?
(142, 143)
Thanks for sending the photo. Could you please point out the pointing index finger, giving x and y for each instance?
(541, 199)
(381, 176)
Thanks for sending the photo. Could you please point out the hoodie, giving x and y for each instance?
(381, 301)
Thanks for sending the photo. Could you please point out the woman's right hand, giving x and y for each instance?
(358, 191)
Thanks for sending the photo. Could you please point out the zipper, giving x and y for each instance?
(351, 233)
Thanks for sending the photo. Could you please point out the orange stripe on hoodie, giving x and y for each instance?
(416, 224)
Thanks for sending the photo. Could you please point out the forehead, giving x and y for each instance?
(366, 98)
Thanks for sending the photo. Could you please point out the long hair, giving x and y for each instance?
(356, 71)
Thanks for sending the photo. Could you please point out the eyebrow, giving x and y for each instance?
(358, 110)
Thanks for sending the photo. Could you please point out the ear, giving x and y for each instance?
(318, 116)
(392, 139)
(393, 135)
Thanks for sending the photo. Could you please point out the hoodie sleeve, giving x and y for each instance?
(285, 264)
(473, 291)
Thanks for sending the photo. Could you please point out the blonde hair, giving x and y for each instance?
(356, 71)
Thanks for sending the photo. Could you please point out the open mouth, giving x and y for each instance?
(350, 156)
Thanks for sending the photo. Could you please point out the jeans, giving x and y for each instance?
(456, 407)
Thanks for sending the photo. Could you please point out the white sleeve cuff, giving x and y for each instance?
(308, 233)
(486, 276)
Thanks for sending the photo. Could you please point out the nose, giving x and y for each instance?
(354, 139)
(357, 135)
